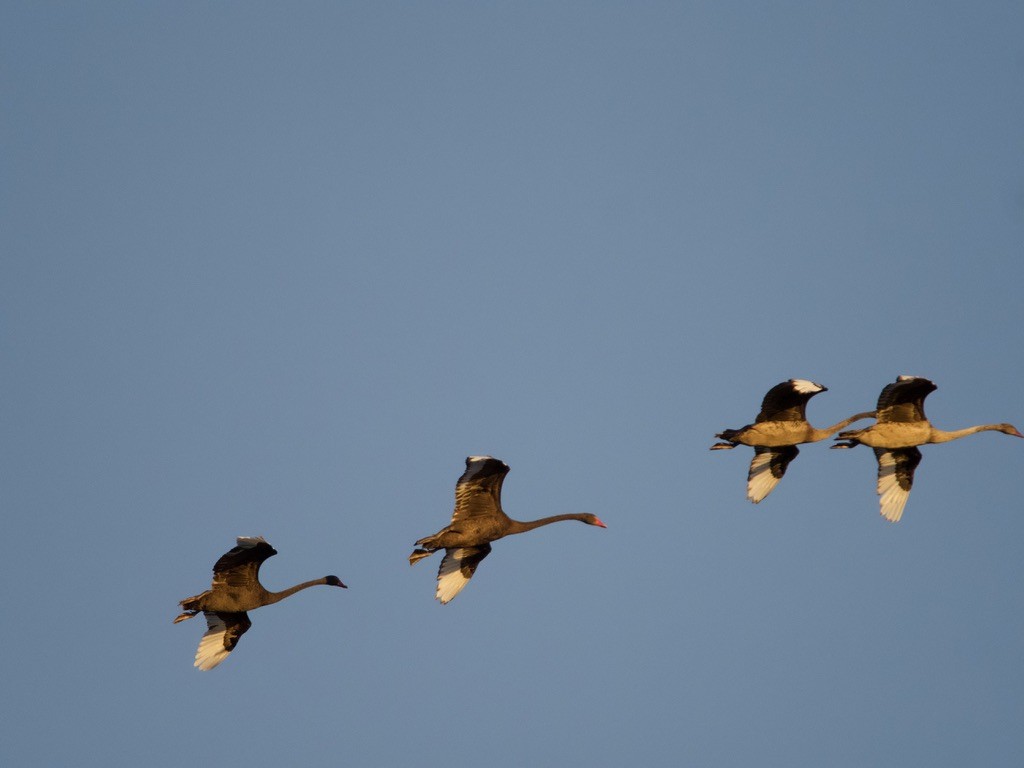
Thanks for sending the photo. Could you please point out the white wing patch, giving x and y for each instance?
(891, 497)
(760, 480)
(450, 578)
(211, 651)
(803, 386)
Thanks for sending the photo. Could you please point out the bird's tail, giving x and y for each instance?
(847, 439)
(725, 434)
(190, 606)
(419, 554)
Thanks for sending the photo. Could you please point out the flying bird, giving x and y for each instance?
(478, 520)
(236, 589)
(901, 427)
(775, 434)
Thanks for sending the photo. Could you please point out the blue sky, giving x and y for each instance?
(277, 269)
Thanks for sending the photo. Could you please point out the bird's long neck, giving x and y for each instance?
(520, 527)
(821, 434)
(274, 597)
(941, 436)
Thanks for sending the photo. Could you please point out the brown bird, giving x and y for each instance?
(901, 427)
(236, 589)
(778, 429)
(478, 520)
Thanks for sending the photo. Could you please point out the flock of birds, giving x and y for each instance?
(900, 426)
(478, 519)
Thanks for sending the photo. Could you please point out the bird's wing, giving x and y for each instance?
(767, 468)
(240, 567)
(787, 401)
(222, 633)
(895, 477)
(478, 491)
(457, 568)
(903, 399)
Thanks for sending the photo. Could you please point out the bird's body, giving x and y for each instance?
(904, 434)
(775, 434)
(478, 520)
(779, 428)
(235, 590)
(901, 427)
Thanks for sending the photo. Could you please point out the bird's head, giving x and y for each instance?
(593, 520)
(1009, 429)
(334, 581)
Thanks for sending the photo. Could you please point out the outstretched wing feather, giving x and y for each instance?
(240, 566)
(222, 634)
(478, 491)
(895, 478)
(903, 399)
(457, 568)
(767, 468)
(787, 401)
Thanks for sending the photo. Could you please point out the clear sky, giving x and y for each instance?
(277, 268)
